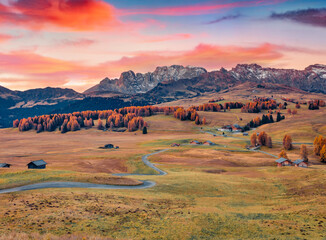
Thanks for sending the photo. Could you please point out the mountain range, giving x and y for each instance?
(162, 85)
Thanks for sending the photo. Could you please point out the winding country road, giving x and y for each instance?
(146, 184)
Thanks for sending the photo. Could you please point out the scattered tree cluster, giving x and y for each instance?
(260, 104)
(315, 104)
(189, 114)
(263, 139)
(214, 107)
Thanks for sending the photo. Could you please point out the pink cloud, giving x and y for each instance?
(5, 37)
(83, 42)
(171, 37)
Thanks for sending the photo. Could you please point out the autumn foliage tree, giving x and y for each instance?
(100, 124)
(262, 138)
(15, 123)
(323, 154)
(304, 152)
(283, 155)
(287, 142)
(269, 142)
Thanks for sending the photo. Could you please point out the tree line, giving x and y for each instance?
(129, 117)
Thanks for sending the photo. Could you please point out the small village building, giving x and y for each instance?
(195, 142)
(300, 163)
(109, 146)
(236, 128)
(281, 162)
(175, 145)
(227, 128)
(5, 165)
(245, 134)
(208, 143)
(39, 164)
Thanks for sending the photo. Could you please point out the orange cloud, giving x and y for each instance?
(196, 9)
(78, 15)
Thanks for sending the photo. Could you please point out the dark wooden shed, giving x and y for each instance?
(39, 164)
(5, 165)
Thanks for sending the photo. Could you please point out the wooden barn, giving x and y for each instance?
(281, 162)
(5, 165)
(300, 163)
(109, 146)
(195, 142)
(39, 164)
(208, 143)
(175, 145)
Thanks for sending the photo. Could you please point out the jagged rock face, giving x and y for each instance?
(313, 78)
(131, 83)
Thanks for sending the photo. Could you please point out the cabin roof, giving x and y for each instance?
(298, 161)
(208, 141)
(39, 162)
(4, 164)
(280, 160)
(195, 141)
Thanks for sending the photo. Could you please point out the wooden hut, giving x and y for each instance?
(195, 142)
(300, 163)
(281, 162)
(5, 165)
(39, 164)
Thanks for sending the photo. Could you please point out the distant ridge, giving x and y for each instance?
(312, 78)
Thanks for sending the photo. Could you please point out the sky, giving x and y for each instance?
(77, 43)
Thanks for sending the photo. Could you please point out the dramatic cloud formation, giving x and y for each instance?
(197, 9)
(78, 15)
(76, 43)
(53, 72)
(316, 17)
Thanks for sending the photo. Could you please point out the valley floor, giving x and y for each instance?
(210, 192)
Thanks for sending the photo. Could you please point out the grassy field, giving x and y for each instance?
(210, 192)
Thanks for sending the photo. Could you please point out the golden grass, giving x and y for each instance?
(210, 192)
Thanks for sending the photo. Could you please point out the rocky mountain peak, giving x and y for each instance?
(131, 83)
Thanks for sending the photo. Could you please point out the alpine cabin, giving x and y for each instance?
(39, 164)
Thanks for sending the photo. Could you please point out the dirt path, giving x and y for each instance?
(146, 184)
